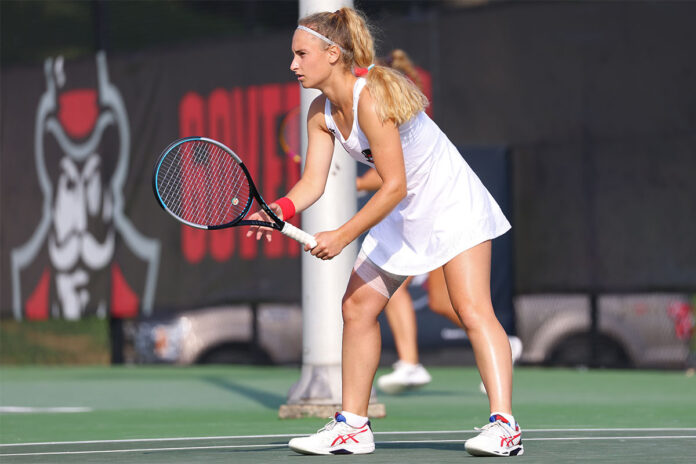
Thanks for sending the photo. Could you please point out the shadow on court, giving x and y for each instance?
(431, 392)
(227, 415)
(264, 398)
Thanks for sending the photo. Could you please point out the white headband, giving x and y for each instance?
(319, 36)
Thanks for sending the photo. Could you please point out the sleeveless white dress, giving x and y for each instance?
(446, 210)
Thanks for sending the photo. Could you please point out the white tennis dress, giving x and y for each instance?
(446, 209)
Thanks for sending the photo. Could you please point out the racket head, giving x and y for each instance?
(202, 183)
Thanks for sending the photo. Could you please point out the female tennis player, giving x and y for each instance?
(430, 211)
(409, 373)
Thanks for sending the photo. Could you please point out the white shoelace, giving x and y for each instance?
(328, 426)
(491, 428)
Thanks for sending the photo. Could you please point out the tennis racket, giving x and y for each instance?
(204, 184)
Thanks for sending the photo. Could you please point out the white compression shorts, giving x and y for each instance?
(384, 282)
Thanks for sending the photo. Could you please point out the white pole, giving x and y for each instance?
(318, 392)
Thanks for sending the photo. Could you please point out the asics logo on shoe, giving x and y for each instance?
(350, 436)
(509, 441)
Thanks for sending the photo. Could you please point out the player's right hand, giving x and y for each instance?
(261, 215)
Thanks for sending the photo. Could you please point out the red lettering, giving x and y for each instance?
(247, 111)
(220, 124)
(193, 241)
(291, 93)
(272, 163)
(248, 121)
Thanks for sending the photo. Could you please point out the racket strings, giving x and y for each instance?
(203, 184)
(235, 188)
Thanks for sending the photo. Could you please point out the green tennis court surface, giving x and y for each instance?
(230, 414)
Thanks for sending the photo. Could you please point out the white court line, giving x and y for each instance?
(655, 437)
(535, 439)
(35, 410)
(138, 450)
(190, 448)
(290, 435)
(633, 429)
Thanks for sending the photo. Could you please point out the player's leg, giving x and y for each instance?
(408, 373)
(438, 298)
(350, 431)
(362, 343)
(402, 321)
(439, 302)
(468, 285)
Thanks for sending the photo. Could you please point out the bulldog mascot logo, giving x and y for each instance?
(72, 265)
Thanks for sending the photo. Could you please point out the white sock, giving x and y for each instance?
(407, 364)
(354, 420)
(509, 417)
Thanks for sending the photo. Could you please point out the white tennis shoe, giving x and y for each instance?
(497, 438)
(336, 437)
(404, 377)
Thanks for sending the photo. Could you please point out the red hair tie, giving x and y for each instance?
(360, 72)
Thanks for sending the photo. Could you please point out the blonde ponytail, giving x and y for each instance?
(396, 97)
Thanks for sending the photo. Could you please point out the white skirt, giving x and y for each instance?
(447, 211)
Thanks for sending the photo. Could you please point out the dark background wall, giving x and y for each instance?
(594, 100)
(597, 103)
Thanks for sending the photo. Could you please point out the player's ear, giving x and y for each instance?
(334, 54)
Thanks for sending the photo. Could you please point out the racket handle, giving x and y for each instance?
(299, 235)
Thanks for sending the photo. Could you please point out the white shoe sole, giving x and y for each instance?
(362, 448)
(515, 451)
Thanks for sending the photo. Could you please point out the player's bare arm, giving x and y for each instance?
(385, 144)
(320, 147)
(370, 181)
(311, 185)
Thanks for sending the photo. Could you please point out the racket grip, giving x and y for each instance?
(298, 234)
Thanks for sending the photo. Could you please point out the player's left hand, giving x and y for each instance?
(329, 244)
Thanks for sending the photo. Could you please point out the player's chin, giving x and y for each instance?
(306, 84)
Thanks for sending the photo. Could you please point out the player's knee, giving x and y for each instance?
(353, 311)
(472, 314)
(350, 310)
